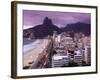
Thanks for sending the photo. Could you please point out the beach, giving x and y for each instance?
(34, 51)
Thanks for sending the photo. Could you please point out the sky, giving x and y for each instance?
(32, 18)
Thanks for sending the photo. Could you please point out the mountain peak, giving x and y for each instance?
(47, 21)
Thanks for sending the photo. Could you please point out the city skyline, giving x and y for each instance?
(32, 18)
(58, 50)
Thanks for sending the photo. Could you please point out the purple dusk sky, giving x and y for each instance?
(32, 18)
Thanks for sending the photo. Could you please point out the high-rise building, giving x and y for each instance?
(78, 59)
(87, 55)
(60, 61)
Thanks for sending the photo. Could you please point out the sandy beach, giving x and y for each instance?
(35, 52)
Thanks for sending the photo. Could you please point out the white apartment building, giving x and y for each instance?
(78, 58)
(87, 55)
(59, 61)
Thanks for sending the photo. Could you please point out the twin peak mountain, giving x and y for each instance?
(47, 28)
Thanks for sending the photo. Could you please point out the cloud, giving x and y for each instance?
(61, 19)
